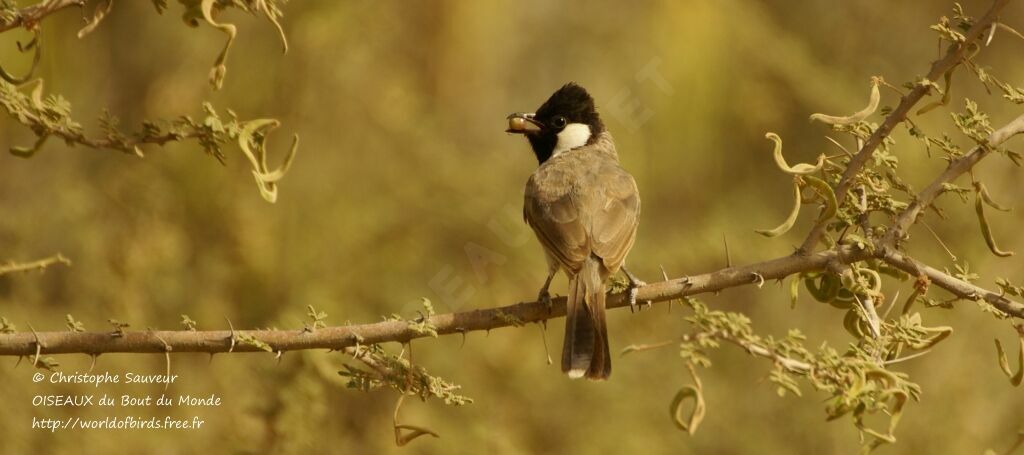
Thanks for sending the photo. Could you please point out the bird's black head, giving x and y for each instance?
(567, 120)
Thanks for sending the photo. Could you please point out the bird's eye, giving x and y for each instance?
(559, 122)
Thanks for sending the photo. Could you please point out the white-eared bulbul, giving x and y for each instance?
(584, 209)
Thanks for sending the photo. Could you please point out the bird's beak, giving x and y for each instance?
(522, 123)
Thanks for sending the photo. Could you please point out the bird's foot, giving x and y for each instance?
(545, 298)
(634, 287)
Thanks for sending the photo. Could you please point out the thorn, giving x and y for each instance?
(868, 305)
(544, 340)
(39, 345)
(939, 239)
(839, 145)
(891, 305)
(908, 357)
(634, 287)
(664, 275)
(167, 356)
(462, 331)
(728, 257)
(232, 336)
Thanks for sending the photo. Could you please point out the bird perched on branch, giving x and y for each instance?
(584, 209)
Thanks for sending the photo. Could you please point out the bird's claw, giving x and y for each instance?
(634, 288)
(545, 298)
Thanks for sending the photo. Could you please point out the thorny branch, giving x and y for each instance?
(858, 380)
(50, 115)
(953, 57)
(344, 337)
(341, 337)
(337, 338)
(955, 169)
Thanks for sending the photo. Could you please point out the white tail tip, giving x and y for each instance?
(576, 373)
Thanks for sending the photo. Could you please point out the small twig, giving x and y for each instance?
(29, 16)
(646, 347)
(792, 365)
(40, 265)
(960, 288)
(955, 169)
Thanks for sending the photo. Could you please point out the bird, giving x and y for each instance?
(584, 209)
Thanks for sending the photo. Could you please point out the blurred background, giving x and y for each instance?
(403, 169)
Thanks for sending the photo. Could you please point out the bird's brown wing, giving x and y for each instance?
(553, 213)
(571, 224)
(615, 220)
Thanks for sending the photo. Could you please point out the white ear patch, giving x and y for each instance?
(574, 135)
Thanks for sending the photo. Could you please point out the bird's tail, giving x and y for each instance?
(585, 349)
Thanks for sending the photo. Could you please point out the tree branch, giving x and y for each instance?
(953, 57)
(31, 15)
(955, 169)
(958, 287)
(24, 343)
(339, 338)
(41, 264)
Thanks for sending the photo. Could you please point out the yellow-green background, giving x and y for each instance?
(403, 163)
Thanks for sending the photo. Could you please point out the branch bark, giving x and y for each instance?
(955, 169)
(29, 16)
(65, 342)
(956, 286)
(345, 337)
(339, 338)
(953, 57)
